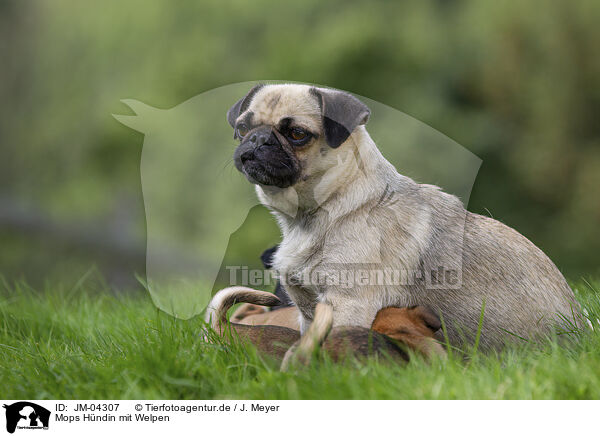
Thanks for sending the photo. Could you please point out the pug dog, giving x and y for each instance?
(344, 211)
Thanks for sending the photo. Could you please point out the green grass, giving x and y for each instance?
(84, 343)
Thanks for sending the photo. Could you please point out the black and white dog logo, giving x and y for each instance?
(26, 415)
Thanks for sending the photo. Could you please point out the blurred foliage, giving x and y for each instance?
(517, 83)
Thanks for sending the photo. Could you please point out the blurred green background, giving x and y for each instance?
(516, 83)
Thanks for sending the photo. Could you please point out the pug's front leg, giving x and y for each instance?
(352, 310)
(357, 307)
(301, 351)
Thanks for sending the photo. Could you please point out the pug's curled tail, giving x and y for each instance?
(216, 312)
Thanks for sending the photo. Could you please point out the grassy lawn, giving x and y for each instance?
(84, 343)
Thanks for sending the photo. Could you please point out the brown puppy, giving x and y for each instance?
(253, 314)
(270, 340)
(393, 332)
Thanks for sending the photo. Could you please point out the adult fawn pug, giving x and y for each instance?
(359, 236)
(393, 332)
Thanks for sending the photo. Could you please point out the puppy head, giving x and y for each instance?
(413, 326)
(290, 133)
(420, 320)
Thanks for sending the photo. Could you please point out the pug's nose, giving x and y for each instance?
(246, 156)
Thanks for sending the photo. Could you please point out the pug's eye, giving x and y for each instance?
(242, 130)
(298, 134)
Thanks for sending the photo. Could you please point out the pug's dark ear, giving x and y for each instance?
(267, 257)
(242, 104)
(342, 113)
(428, 316)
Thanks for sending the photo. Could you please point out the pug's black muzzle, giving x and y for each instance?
(266, 158)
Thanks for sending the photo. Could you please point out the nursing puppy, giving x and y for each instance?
(252, 314)
(394, 331)
(343, 208)
(282, 314)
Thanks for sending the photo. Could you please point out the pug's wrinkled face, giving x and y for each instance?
(289, 133)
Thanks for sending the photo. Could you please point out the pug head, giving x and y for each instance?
(290, 135)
